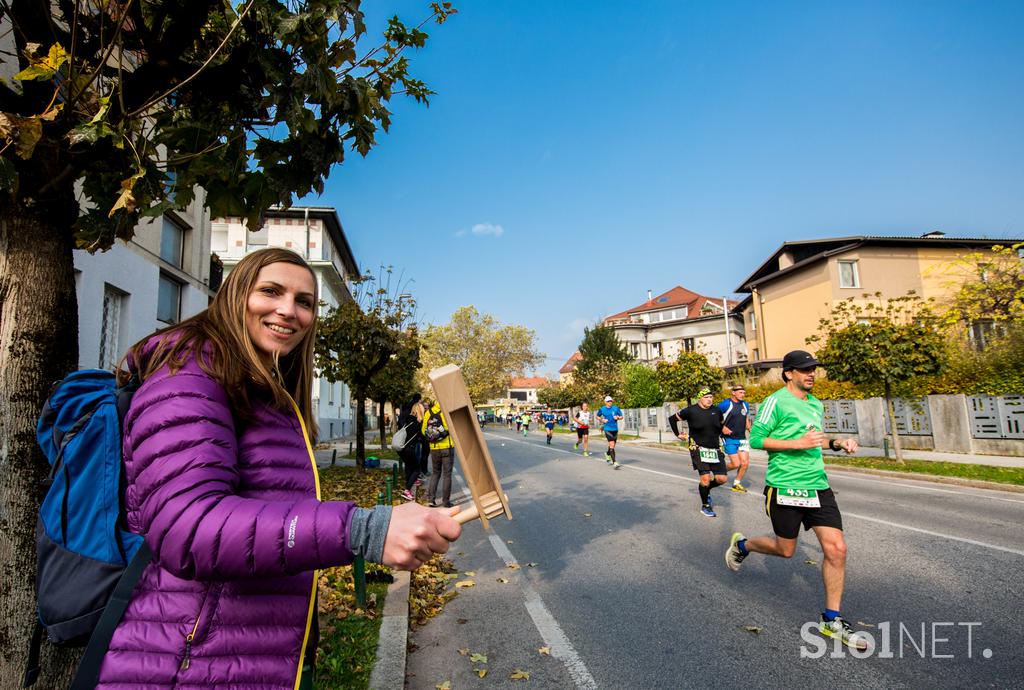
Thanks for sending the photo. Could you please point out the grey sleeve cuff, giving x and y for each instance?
(367, 530)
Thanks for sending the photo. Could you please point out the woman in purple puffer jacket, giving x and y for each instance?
(223, 485)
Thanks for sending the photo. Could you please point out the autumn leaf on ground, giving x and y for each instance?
(470, 573)
(477, 658)
(531, 565)
(546, 651)
(810, 562)
(480, 672)
(587, 514)
(510, 542)
(503, 580)
(513, 566)
(462, 621)
(865, 625)
(519, 674)
(464, 651)
(465, 583)
(447, 685)
(753, 629)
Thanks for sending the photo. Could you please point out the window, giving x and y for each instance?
(517, 395)
(219, 237)
(848, 276)
(634, 349)
(168, 301)
(688, 345)
(655, 350)
(753, 321)
(757, 354)
(258, 238)
(110, 329)
(172, 240)
(983, 332)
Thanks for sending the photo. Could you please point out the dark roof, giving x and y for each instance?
(329, 215)
(806, 252)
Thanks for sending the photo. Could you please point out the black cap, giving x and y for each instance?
(798, 359)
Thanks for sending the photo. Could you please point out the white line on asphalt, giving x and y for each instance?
(937, 534)
(862, 517)
(546, 624)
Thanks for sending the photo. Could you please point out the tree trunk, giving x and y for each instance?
(38, 345)
(360, 392)
(383, 431)
(890, 409)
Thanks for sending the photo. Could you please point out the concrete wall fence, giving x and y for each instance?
(976, 425)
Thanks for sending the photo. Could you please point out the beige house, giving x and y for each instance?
(801, 282)
(681, 320)
(565, 374)
(523, 390)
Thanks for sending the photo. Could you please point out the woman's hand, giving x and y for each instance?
(416, 533)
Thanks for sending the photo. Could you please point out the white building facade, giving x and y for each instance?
(159, 277)
(314, 232)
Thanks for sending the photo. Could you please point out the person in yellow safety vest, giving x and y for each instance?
(435, 430)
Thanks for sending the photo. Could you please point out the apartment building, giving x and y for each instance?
(681, 320)
(315, 232)
(162, 275)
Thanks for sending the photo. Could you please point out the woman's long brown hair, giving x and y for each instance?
(232, 358)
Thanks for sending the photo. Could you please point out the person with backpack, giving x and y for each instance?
(222, 484)
(409, 452)
(435, 431)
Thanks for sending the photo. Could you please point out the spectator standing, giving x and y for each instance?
(435, 430)
(410, 453)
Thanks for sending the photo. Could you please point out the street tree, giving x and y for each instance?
(683, 378)
(562, 395)
(356, 340)
(488, 353)
(121, 111)
(889, 342)
(396, 382)
(988, 292)
(641, 387)
(599, 344)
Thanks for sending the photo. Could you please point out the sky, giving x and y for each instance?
(578, 154)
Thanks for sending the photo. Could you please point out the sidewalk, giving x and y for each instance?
(864, 451)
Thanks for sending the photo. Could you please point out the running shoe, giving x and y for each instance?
(707, 512)
(738, 488)
(407, 495)
(616, 465)
(586, 454)
(733, 556)
(608, 458)
(841, 630)
(576, 446)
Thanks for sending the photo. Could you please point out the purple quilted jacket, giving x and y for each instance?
(237, 530)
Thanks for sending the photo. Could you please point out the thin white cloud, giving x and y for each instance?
(482, 229)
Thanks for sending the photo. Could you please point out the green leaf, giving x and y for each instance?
(8, 176)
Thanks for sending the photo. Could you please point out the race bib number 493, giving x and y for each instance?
(797, 498)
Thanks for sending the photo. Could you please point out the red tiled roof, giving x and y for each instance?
(530, 382)
(571, 363)
(676, 297)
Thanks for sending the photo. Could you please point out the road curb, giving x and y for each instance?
(389, 669)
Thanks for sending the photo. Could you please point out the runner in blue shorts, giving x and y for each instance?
(548, 417)
(736, 424)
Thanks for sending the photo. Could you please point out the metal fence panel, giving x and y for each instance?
(913, 418)
(996, 417)
(840, 417)
(984, 414)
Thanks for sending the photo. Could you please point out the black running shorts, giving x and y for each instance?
(707, 467)
(611, 435)
(582, 431)
(786, 520)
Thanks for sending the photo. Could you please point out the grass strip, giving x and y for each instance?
(986, 473)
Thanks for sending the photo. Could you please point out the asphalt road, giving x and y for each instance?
(629, 588)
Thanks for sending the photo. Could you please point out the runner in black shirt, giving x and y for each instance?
(705, 423)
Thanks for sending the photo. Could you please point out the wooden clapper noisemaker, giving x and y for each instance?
(489, 501)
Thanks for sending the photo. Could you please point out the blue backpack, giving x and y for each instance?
(87, 561)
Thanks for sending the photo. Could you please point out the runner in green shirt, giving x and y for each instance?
(789, 427)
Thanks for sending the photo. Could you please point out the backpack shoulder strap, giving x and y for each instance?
(89, 669)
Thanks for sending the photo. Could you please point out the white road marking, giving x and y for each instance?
(864, 517)
(937, 534)
(546, 624)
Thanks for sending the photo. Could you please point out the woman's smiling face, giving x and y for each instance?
(280, 309)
